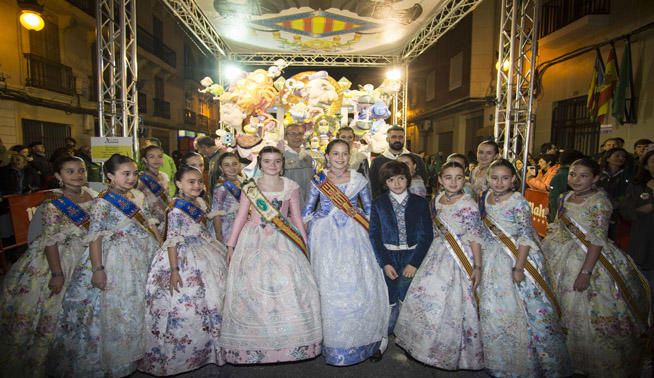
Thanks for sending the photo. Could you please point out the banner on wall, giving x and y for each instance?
(103, 147)
(538, 202)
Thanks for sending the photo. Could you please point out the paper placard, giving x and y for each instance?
(103, 147)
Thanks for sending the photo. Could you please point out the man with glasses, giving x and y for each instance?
(298, 165)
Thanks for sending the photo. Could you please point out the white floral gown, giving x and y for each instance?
(101, 332)
(28, 312)
(520, 327)
(182, 329)
(272, 305)
(353, 294)
(604, 336)
(438, 323)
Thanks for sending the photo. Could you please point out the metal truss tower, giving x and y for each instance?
(514, 113)
(117, 68)
(449, 14)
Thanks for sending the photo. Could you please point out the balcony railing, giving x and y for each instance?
(143, 103)
(161, 108)
(155, 46)
(203, 122)
(189, 117)
(48, 74)
(87, 6)
(558, 13)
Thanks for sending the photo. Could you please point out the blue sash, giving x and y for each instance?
(128, 208)
(482, 204)
(153, 186)
(190, 209)
(121, 203)
(72, 210)
(233, 189)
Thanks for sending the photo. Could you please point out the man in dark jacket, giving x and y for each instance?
(41, 164)
(395, 139)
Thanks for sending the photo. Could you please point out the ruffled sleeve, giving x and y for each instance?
(52, 226)
(219, 202)
(313, 195)
(473, 231)
(366, 200)
(524, 229)
(598, 216)
(175, 234)
(98, 226)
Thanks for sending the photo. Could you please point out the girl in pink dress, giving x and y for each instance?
(272, 306)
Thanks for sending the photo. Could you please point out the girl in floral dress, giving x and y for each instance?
(487, 151)
(30, 300)
(101, 331)
(520, 325)
(226, 195)
(186, 287)
(604, 298)
(438, 323)
(272, 305)
(154, 185)
(353, 295)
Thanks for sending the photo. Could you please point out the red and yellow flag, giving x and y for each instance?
(595, 85)
(606, 91)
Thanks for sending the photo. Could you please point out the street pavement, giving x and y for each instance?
(394, 364)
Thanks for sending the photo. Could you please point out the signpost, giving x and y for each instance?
(103, 147)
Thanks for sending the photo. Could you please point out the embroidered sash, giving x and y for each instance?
(233, 188)
(72, 211)
(272, 215)
(511, 248)
(455, 247)
(190, 209)
(339, 199)
(154, 187)
(576, 230)
(130, 210)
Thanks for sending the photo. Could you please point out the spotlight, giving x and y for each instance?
(394, 74)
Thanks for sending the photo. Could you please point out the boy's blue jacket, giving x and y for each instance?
(383, 227)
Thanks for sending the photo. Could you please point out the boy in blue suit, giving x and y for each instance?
(400, 232)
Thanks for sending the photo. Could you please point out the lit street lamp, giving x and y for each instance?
(30, 15)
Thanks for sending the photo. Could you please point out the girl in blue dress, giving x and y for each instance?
(353, 296)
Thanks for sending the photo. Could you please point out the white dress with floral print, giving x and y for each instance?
(603, 334)
(520, 328)
(101, 332)
(28, 311)
(182, 328)
(438, 323)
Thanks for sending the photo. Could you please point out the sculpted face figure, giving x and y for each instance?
(320, 92)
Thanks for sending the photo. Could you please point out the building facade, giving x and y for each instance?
(48, 79)
(452, 85)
